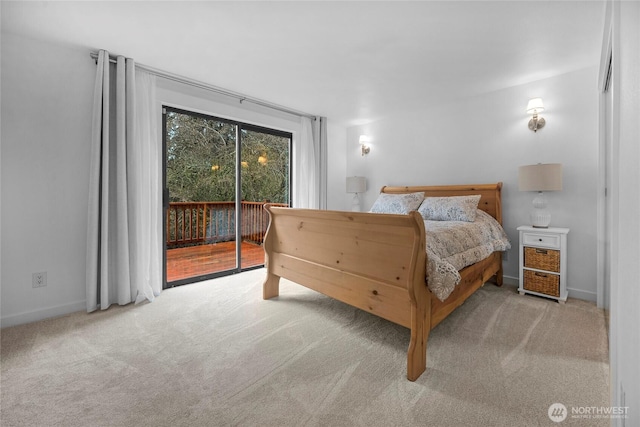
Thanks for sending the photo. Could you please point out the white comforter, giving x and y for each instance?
(453, 245)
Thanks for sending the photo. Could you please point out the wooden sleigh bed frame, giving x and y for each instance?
(375, 262)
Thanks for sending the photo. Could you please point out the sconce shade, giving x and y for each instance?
(356, 184)
(364, 139)
(540, 177)
(535, 106)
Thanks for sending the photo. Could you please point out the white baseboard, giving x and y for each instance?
(41, 314)
(509, 280)
(583, 295)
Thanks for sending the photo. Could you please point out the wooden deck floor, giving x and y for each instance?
(183, 263)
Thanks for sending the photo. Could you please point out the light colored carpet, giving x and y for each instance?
(214, 353)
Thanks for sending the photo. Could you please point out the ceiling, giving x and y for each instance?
(353, 62)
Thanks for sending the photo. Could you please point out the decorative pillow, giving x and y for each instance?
(397, 203)
(453, 208)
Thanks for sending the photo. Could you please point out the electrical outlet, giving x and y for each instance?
(39, 280)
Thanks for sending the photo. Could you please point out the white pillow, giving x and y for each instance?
(453, 208)
(397, 203)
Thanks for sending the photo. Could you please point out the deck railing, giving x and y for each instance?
(193, 223)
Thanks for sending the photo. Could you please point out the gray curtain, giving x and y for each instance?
(320, 136)
(122, 188)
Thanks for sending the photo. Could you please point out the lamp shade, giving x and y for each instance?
(364, 139)
(540, 177)
(535, 106)
(356, 184)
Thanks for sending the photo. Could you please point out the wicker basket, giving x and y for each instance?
(544, 283)
(542, 259)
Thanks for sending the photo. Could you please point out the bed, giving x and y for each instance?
(375, 262)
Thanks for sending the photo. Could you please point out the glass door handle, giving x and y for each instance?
(165, 198)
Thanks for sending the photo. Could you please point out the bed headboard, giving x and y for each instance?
(490, 197)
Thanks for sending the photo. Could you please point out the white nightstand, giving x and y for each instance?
(543, 262)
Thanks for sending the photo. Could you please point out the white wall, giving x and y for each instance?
(485, 139)
(47, 93)
(181, 95)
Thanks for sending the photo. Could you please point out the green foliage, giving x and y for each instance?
(201, 162)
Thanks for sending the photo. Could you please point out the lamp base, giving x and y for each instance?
(540, 216)
(355, 204)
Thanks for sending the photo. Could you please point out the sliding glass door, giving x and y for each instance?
(218, 176)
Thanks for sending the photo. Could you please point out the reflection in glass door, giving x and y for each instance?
(218, 176)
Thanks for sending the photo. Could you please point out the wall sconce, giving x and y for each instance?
(540, 177)
(356, 184)
(534, 107)
(364, 144)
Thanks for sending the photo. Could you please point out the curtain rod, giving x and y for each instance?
(191, 82)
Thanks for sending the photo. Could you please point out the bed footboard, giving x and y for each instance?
(370, 261)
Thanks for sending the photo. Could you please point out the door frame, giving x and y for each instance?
(604, 194)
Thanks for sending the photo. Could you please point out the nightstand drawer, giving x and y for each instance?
(544, 283)
(542, 259)
(541, 240)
